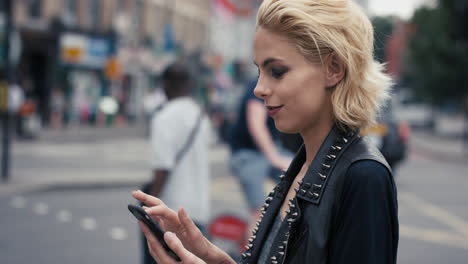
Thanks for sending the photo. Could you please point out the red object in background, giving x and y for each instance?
(231, 7)
(27, 108)
(228, 227)
(404, 131)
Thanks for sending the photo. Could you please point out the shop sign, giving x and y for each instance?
(81, 50)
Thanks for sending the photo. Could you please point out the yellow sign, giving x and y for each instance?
(72, 55)
(379, 129)
(113, 69)
(3, 96)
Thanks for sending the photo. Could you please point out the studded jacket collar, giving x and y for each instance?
(310, 211)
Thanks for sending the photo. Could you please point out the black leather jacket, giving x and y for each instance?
(306, 232)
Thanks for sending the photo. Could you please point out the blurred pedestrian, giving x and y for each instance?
(337, 202)
(16, 99)
(256, 151)
(57, 102)
(180, 138)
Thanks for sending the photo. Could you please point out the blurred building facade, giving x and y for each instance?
(74, 52)
(364, 4)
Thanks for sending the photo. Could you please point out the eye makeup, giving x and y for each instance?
(278, 71)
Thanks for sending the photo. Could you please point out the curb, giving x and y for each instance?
(52, 187)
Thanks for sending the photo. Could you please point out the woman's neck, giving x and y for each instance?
(313, 139)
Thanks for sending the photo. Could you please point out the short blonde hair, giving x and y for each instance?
(323, 27)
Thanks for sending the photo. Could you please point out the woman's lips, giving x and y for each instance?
(273, 110)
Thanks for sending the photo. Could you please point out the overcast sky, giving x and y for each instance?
(401, 8)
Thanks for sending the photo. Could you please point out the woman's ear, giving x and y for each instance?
(335, 70)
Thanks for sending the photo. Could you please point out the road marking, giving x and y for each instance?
(41, 208)
(64, 216)
(118, 233)
(88, 223)
(18, 202)
(434, 236)
(457, 223)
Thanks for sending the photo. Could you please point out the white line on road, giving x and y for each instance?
(18, 202)
(41, 208)
(88, 223)
(118, 233)
(434, 236)
(64, 216)
(457, 223)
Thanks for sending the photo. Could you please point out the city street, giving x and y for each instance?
(82, 218)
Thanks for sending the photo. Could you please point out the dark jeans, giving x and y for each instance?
(147, 258)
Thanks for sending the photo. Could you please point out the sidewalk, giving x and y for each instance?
(84, 157)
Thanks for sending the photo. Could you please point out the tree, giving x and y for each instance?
(383, 28)
(436, 67)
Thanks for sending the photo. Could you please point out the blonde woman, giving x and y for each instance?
(337, 201)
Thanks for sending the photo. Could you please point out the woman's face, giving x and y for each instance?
(293, 89)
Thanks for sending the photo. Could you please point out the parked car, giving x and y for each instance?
(416, 113)
(390, 135)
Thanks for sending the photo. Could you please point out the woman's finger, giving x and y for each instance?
(146, 198)
(162, 211)
(176, 245)
(189, 226)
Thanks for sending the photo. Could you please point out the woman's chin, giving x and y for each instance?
(284, 128)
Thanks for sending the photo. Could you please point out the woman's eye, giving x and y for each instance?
(278, 72)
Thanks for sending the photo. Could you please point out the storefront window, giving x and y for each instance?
(94, 13)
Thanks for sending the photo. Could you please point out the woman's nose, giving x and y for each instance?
(260, 90)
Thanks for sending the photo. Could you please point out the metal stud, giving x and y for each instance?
(326, 166)
(248, 254)
(281, 247)
(295, 214)
(345, 140)
(338, 147)
(318, 186)
(273, 258)
(303, 191)
(281, 253)
(322, 176)
(282, 176)
(244, 255)
(274, 262)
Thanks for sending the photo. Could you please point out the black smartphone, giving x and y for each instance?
(141, 215)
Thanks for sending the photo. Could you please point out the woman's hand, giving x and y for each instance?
(160, 255)
(180, 223)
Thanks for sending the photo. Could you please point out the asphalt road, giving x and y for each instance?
(92, 225)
